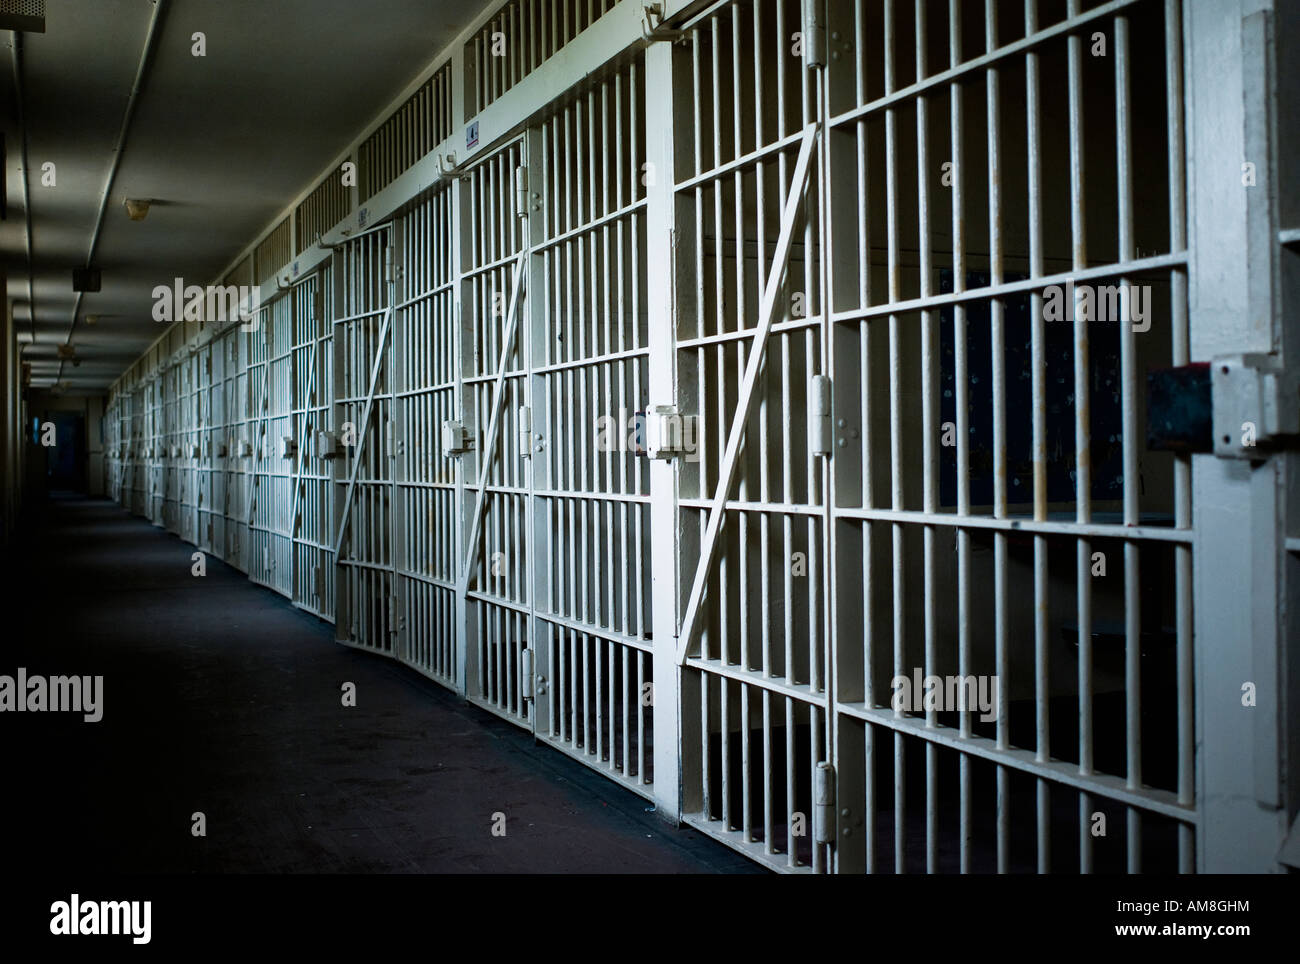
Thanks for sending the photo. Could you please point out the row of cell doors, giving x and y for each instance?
(220, 447)
(494, 505)
(889, 469)
(490, 353)
(492, 362)
(894, 478)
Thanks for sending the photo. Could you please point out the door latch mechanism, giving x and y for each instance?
(1256, 405)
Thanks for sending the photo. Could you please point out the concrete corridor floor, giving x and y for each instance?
(220, 697)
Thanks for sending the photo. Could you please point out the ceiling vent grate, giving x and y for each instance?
(522, 36)
(413, 130)
(241, 274)
(26, 15)
(273, 253)
(323, 208)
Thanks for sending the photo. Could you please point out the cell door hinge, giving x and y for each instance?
(819, 416)
(526, 674)
(525, 201)
(1256, 405)
(814, 34)
(318, 304)
(526, 433)
(824, 804)
(389, 274)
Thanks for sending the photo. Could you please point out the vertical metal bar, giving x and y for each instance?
(868, 439)
(895, 429)
(1182, 465)
(1039, 404)
(961, 410)
(1128, 403)
(1082, 413)
(720, 326)
(929, 456)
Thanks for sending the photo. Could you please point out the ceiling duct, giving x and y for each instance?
(26, 15)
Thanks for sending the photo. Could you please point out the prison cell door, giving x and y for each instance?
(252, 372)
(495, 343)
(362, 542)
(1001, 535)
(154, 450)
(170, 407)
(235, 347)
(252, 529)
(310, 515)
(213, 522)
(200, 447)
(113, 442)
(148, 439)
(269, 477)
(425, 474)
(137, 468)
(144, 466)
(750, 348)
(589, 372)
(189, 452)
(182, 405)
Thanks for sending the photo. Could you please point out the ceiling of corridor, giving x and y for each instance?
(219, 143)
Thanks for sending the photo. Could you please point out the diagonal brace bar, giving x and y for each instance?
(494, 426)
(365, 426)
(297, 481)
(261, 428)
(757, 352)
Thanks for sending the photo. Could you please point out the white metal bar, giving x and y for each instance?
(1182, 466)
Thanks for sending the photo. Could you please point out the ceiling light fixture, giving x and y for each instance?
(137, 208)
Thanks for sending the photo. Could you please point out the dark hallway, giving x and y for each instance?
(219, 697)
(528, 440)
